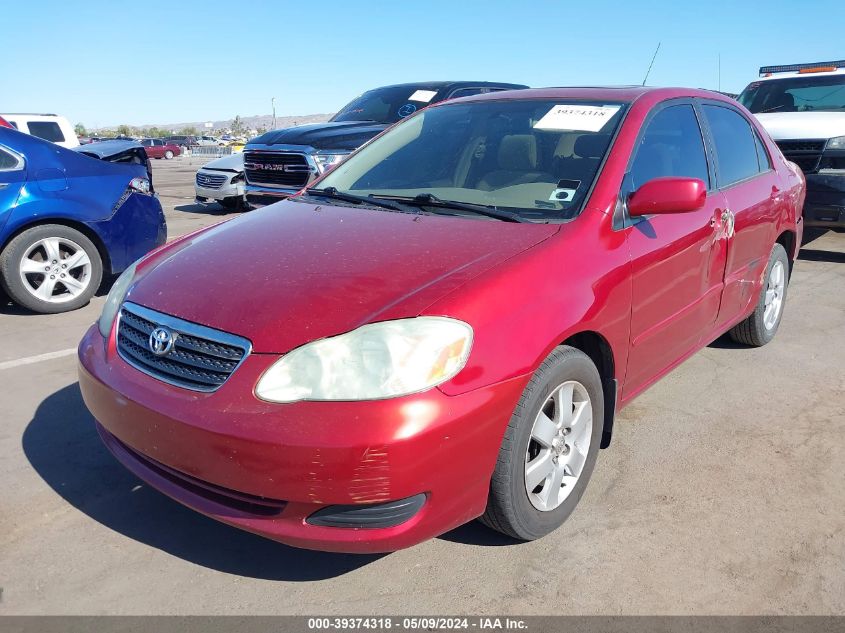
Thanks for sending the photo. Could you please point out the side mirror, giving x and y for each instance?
(668, 195)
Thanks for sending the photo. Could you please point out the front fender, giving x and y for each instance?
(579, 280)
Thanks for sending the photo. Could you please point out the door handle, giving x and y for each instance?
(3, 185)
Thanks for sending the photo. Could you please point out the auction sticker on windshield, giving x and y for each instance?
(581, 118)
(423, 96)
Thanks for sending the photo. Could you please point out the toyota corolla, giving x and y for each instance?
(444, 326)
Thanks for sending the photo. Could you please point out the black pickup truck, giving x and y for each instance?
(279, 163)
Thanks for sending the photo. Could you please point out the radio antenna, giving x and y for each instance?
(653, 57)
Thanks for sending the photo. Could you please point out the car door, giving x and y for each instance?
(677, 260)
(750, 185)
(12, 179)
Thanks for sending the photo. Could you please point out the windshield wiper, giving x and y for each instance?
(429, 199)
(332, 192)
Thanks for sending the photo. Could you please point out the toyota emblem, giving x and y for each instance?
(161, 341)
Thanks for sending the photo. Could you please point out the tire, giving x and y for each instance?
(761, 327)
(168, 155)
(511, 508)
(25, 260)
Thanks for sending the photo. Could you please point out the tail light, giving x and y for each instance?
(140, 185)
(5, 123)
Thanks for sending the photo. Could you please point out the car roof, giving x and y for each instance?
(440, 85)
(625, 94)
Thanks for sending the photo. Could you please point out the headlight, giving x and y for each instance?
(116, 296)
(381, 360)
(837, 142)
(325, 160)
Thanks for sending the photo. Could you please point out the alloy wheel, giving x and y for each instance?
(559, 445)
(55, 269)
(773, 301)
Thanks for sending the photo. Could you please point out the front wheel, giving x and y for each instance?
(51, 268)
(549, 449)
(168, 155)
(761, 327)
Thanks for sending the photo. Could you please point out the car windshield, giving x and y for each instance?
(536, 159)
(796, 94)
(386, 105)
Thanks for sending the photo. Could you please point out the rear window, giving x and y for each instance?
(48, 130)
(387, 105)
(7, 160)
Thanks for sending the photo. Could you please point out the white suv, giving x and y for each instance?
(50, 127)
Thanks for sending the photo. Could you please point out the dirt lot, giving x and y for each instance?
(723, 493)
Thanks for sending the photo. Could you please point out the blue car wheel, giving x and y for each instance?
(51, 268)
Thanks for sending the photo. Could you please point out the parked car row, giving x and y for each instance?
(442, 325)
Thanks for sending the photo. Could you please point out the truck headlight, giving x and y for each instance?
(327, 160)
(113, 302)
(376, 361)
(837, 142)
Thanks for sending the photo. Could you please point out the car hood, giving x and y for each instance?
(803, 125)
(345, 135)
(232, 162)
(293, 272)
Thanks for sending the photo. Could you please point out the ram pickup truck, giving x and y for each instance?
(281, 162)
(802, 107)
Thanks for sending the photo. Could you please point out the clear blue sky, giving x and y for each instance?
(152, 61)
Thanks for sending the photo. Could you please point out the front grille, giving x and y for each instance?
(804, 153)
(210, 181)
(200, 358)
(282, 169)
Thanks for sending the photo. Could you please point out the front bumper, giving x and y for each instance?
(257, 197)
(227, 190)
(136, 227)
(825, 202)
(303, 457)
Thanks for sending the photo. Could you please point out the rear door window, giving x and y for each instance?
(736, 149)
(762, 155)
(48, 130)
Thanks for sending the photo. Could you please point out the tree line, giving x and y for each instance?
(237, 127)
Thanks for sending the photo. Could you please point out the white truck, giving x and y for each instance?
(802, 106)
(50, 127)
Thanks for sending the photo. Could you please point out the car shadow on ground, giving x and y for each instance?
(813, 255)
(206, 209)
(726, 342)
(63, 447)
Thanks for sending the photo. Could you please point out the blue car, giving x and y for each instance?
(69, 218)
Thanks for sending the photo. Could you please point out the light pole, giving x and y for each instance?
(273, 102)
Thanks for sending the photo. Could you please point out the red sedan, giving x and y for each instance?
(387, 355)
(158, 148)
